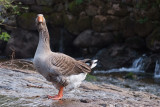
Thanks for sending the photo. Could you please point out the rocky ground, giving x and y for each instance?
(28, 88)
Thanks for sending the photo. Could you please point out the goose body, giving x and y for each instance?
(58, 68)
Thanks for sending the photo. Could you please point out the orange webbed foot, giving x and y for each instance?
(57, 97)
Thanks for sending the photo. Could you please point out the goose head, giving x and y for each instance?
(40, 22)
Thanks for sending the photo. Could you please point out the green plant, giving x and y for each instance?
(78, 1)
(142, 20)
(5, 36)
(91, 78)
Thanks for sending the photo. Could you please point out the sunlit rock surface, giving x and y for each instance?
(28, 88)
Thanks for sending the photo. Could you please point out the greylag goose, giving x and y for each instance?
(58, 68)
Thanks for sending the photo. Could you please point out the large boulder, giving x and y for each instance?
(153, 40)
(115, 56)
(90, 38)
(27, 21)
(23, 43)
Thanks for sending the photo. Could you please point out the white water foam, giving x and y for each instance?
(157, 70)
(137, 66)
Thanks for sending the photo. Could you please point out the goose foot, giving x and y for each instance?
(57, 97)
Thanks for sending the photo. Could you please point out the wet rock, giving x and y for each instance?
(90, 38)
(116, 56)
(22, 43)
(27, 21)
(153, 40)
(15, 92)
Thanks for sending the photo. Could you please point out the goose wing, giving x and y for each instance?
(65, 65)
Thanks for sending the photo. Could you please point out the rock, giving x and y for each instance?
(90, 38)
(23, 43)
(91, 10)
(143, 29)
(102, 23)
(44, 2)
(70, 23)
(56, 19)
(41, 9)
(136, 43)
(21, 88)
(127, 26)
(27, 21)
(83, 23)
(116, 10)
(153, 40)
(26, 2)
(116, 56)
(75, 8)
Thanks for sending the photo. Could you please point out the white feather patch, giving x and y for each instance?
(75, 81)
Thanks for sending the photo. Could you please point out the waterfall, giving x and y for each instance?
(157, 70)
(137, 66)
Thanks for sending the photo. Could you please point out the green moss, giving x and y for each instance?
(91, 78)
(75, 8)
(130, 75)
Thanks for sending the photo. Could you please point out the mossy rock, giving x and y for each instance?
(70, 23)
(27, 21)
(83, 23)
(153, 40)
(56, 19)
(75, 8)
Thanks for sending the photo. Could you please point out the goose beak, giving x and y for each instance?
(40, 18)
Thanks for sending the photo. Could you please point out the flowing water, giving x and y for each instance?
(133, 77)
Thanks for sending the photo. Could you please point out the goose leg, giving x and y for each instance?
(59, 96)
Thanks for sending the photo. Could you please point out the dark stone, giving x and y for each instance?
(27, 21)
(41, 9)
(23, 43)
(116, 56)
(136, 43)
(2, 46)
(45, 2)
(127, 26)
(143, 29)
(102, 23)
(90, 38)
(153, 40)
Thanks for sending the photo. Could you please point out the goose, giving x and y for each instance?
(60, 69)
